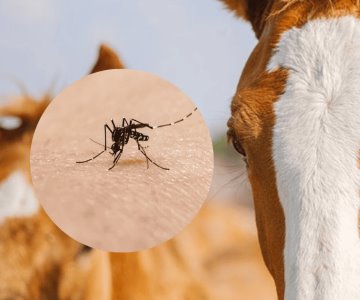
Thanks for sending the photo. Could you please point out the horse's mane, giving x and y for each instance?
(326, 3)
(290, 2)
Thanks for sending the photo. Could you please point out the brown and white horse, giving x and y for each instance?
(296, 119)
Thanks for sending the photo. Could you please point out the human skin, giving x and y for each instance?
(131, 207)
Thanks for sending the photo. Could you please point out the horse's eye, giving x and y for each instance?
(10, 122)
(238, 147)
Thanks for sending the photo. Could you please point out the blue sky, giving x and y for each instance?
(197, 45)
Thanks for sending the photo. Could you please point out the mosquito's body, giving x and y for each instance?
(121, 135)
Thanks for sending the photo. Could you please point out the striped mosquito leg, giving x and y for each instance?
(178, 121)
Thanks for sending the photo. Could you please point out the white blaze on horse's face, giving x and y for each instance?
(17, 198)
(316, 141)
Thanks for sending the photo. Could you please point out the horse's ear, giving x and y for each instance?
(107, 59)
(239, 7)
(253, 11)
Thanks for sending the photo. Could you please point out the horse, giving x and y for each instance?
(295, 120)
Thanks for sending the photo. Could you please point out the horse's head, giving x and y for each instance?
(295, 119)
(17, 124)
(38, 261)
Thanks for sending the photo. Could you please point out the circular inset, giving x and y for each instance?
(160, 161)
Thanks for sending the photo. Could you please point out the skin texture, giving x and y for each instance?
(252, 118)
(131, 207)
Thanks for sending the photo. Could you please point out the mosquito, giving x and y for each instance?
(120, 136)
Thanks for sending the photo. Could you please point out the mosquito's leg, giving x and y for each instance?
(142, 150)
(154, 163)
(141, 146)
(113, 124)
(124, 122)
(106, 126)
(116, 159)
(84, 161)
(144, 124)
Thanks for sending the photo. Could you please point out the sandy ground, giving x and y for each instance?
(130, 207)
